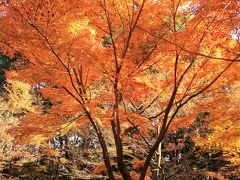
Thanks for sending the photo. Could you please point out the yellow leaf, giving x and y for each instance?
(38, 139)
(65, 128)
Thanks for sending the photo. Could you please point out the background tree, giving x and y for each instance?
(224, 124)
(15, 101)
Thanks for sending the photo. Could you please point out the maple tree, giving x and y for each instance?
(126, 65)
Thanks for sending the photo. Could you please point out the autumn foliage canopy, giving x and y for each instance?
(124, 65)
